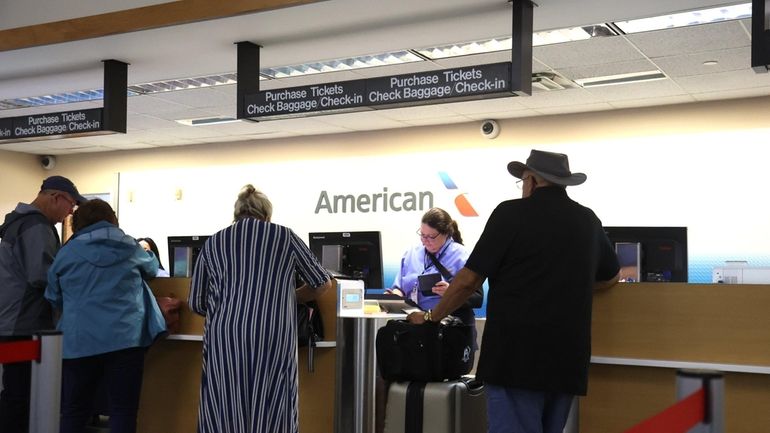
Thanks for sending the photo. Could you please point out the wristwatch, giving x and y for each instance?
(427, 316)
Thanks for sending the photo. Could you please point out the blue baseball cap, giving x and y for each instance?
(61, 183)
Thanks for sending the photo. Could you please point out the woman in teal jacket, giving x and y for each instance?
(108, 317)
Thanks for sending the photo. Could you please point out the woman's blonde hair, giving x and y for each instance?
(252, 203)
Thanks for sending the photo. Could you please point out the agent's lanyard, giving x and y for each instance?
(427, 262)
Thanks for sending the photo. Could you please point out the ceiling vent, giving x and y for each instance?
(548, 81)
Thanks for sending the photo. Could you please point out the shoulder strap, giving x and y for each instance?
(444, 272)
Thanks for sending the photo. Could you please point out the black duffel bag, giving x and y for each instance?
(430, 352)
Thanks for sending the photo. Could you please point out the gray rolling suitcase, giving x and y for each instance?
(456, 406)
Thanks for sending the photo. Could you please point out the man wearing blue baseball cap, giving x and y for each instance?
(27, 249)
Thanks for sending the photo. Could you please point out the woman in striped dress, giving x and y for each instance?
(243, 283)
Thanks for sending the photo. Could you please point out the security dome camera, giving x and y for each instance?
(490, 129)
(48, 162)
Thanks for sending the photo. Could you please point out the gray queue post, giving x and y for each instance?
(689, 381)
(45, 389)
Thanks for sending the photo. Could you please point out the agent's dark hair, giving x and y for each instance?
(252, 203)
(153, 248)
(91, 212)
(440, 220)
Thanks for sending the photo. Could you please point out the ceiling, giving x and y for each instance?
(346, 28)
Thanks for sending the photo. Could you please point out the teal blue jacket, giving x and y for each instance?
(97, 282)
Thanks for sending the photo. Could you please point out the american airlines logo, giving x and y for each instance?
(390, 201)
(461, 200)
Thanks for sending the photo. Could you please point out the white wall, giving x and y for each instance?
(20, 178)
(698, 165)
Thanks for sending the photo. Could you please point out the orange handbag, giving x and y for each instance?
(170, 308)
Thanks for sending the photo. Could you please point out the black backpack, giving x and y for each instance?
(310, 327)
(430, 352)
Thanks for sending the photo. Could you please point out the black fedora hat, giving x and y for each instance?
(553, 167)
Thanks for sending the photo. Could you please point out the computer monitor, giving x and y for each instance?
(654, 254)
(354, 255)
(182, 253)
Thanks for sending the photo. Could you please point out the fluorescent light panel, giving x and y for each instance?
(683, 19)
(184, 83)
(505, 43)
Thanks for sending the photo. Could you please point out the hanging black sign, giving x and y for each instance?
(409, 89)
(447, 84)
(54, 124)
(306, 99)
(6, 128)
(95, 121)
(109, 119)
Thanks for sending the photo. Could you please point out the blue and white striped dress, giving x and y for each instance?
(244, 284)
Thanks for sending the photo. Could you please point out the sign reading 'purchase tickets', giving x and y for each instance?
(51, 124)
(409, 89)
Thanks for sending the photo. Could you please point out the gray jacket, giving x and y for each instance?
(27, 248)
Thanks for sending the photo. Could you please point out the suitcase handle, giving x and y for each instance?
(475, 386)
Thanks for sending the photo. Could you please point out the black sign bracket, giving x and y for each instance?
(248, 75)
(115, 96)
(760, 36)
(521, 47)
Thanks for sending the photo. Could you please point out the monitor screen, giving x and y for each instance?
(654, 254)
(182, 253)
(355, 255)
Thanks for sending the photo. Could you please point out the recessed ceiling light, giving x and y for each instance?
(391, 58)
(611, 80)
(710, 63)
(683, 19)
(207, 121)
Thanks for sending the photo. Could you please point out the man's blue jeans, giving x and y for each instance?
(514, 410)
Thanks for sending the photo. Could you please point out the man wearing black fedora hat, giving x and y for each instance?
(29, 243)
(543, 256)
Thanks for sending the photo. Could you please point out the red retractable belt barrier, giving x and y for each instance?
(679, 418)
(18, 351)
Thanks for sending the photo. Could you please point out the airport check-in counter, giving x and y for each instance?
(171, 386)
(642, 334)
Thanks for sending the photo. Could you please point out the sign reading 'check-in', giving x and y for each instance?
(494, 80)
(109, 119)
(51, 124)
(409, 89)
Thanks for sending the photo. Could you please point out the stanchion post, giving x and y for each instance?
(45, 395)
(712, 382)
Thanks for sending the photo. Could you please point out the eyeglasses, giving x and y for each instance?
(424, 236)
(72, 203)
(520, 182)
